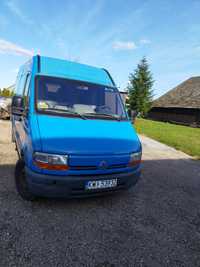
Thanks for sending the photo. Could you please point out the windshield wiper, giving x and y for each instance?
(59, 110)
(103, 114)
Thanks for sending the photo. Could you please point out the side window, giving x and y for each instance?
(26, 89)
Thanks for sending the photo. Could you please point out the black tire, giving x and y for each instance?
(21, 182)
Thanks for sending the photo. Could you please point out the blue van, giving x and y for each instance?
(71, 130)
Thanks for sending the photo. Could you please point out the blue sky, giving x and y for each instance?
(111, 34)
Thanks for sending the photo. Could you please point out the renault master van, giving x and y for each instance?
(71, 130)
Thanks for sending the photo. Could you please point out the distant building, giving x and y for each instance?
(181, 105)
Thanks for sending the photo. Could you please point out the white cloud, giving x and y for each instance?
(16, 10)
(7, 47)
(145, 41)
(120, 45)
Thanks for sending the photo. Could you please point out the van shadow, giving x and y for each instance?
(167, 177)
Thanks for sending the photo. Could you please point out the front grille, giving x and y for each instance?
(83, 168)
(117, 166)
(114, 166)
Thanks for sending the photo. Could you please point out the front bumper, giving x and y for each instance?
(74, 186)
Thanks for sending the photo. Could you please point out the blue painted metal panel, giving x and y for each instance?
(78, 136)
(87, 142)
(73, 70)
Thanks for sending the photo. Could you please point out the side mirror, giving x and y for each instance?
(17, 106)
(132, 114)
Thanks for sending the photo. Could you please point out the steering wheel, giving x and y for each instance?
(104, 108)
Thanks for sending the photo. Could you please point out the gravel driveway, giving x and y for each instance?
(157, 223)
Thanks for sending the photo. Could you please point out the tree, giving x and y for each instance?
(140, 90)
(6, 92)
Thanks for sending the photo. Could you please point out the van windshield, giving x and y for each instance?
(77, 98)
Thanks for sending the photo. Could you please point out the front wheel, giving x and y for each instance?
(21, 181)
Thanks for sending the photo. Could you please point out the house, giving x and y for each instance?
(181, 105)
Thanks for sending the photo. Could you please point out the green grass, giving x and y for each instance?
(183, 138)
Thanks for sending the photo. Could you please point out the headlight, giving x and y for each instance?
(135, 158)
(51, 161)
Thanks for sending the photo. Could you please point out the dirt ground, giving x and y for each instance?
(156, 223)
(7, 149)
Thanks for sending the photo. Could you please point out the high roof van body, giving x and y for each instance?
(71, 130)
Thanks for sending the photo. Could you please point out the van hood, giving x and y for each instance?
(86, 137)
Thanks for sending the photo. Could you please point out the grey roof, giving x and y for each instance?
(185, 95)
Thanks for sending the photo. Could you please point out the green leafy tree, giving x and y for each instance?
(6, 92)
(140, 90)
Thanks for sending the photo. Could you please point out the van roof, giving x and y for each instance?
(73, 70)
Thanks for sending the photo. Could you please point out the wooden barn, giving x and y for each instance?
(181, 105)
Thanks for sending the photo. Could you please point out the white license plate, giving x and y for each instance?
(101, 184)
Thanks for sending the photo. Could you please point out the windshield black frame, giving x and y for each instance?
(66, 114)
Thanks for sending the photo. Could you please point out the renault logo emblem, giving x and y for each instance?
(103, 165)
